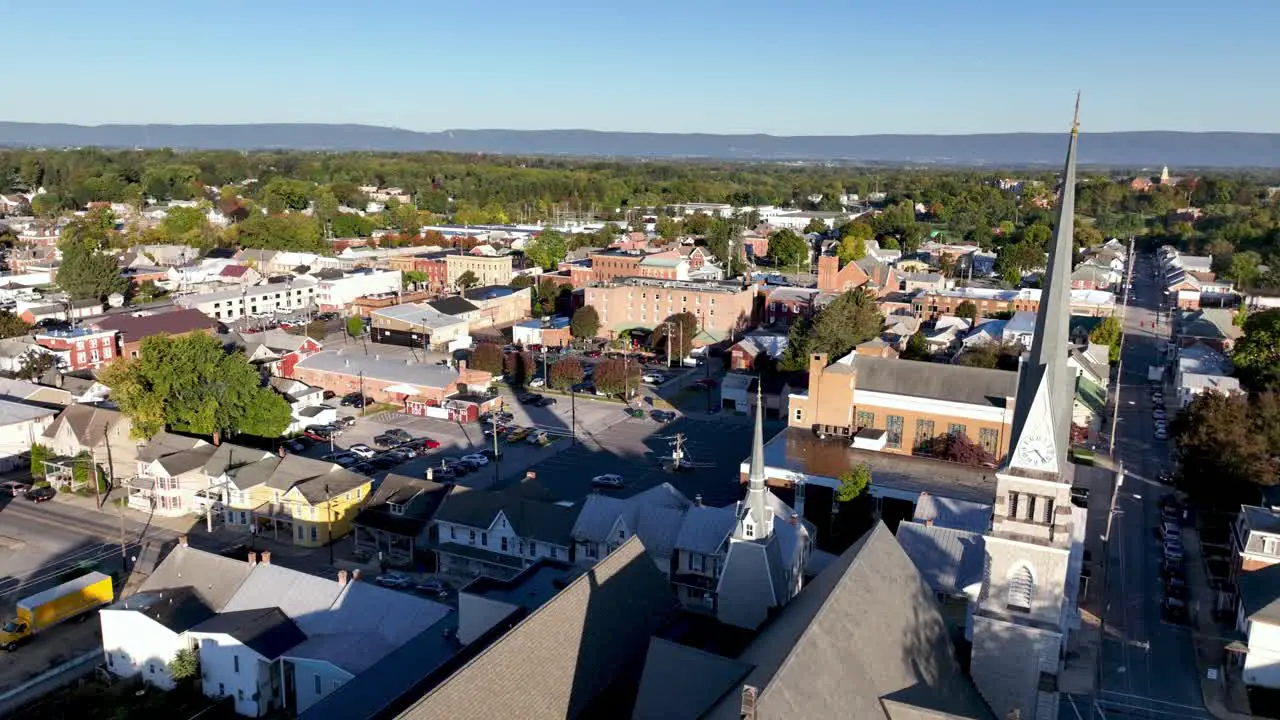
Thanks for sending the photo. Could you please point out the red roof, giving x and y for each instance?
(234, 271)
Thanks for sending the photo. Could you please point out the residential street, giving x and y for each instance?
(1148, 666)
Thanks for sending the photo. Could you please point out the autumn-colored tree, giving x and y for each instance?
(518, 367)
(1222, 455)
(958, 448)
(487, 357)
(565, 373)
(675, 333)
(585, 323)
(613, 376)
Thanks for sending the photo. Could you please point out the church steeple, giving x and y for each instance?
(1042, 411)
(758, 517)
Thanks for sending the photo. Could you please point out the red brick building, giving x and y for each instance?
(131, 330)
(80, 348)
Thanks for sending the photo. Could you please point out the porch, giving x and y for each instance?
(60, 473)
(466, 560)
(388, 546)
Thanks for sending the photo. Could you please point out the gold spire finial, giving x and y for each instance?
(1075, 120)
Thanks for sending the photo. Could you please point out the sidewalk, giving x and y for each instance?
(1207, 638)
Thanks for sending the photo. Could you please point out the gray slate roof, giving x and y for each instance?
(950, 561)
(953, 513)
(178, 610)
(266, 631)
(544, 521)
(556, 661)
(656, 515)
(706, 528)
(388, 369)
(365, 624)
(683, 682)
(958, 383)
(213, 578)
(751, 583)
(865, 631)
(303, 597)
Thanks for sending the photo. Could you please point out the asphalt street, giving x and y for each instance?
(1148, 665)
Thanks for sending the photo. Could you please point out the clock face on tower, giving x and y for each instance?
(1036, 451)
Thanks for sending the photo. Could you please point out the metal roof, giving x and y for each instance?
(378, 368)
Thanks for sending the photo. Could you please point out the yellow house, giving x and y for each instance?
(286, 498)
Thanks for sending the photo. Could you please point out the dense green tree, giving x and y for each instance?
(12, 326)
(917, 347)
(851, 248)
(191, 384)
(1221, 455)
(547, 250)
(185, 665)
(816, 226)
(968, 311)
(86, 272)
(787, 249)
(1243, 269)
(283, 194)
(467, 280)
(280, 232)
(853, 483)
(1257, 353)
(352, 225)
(35, 365)
(1108, 333)
(850, 319)
(412, 278)
(668, 228)
(585, 323)
(355, 326)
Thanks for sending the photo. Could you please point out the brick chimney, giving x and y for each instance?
(697, 500)
(928, 523)
(342, 578)
(530, 475)
(280, 451)
(266, 557)
(355, 574)
(217, 438)
(253, 558)
(182, 540)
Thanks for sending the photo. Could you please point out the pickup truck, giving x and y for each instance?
(39, 612)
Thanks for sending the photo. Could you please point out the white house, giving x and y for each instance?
(270, 638)
(259, 300)
(306, 403)
(605, 522)
(499, 534)
(1259, 617)
(1191, 385)
(21, 426)
(170, 480)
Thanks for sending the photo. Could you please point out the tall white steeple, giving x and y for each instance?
(1042, 412)
(757, 522)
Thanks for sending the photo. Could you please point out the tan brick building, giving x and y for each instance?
(721, 307)
(488, 270)
(910, 401)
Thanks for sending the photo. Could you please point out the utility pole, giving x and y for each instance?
(668, 324)
(573, 412)
(362, 404)
(93, 471)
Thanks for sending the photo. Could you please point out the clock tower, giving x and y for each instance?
(1026, 609)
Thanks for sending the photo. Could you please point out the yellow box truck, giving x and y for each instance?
(43, 610)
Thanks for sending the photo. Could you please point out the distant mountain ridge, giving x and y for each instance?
(1148, 149)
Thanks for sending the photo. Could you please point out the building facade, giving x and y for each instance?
(494, 270)
(722, 308)
(81, 348)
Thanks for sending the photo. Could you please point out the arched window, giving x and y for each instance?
(1022, 587)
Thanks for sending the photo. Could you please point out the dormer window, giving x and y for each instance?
(395, 508)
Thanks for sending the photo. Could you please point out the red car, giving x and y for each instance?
(430, 444)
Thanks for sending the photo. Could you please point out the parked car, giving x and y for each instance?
(529, 398)
(538, 438)
(1165, 477)
(293, 446)
(40, 494)
(663, 416)
(635, 412)
(382, 462)
(432, 587)
(393, 580)
(428, 444)
(364, 451)
(545, 402)
(608, 480)
(1173, 610)
(13, 488)
(537, 382)
(329, 395)
(345, 422)
(654, 378)
(363, 468)
(517, 434)
(318, 434)
(476, 459)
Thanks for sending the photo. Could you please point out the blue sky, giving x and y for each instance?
(844, 67)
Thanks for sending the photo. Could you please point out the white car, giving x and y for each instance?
(655, 378)
(364, 451)
(476, 459)
(608, 480)
(537, 383)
